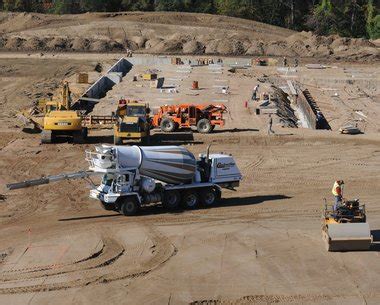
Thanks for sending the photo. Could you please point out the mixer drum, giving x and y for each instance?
(169, 164)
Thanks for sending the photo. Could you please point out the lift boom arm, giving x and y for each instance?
(48, 179)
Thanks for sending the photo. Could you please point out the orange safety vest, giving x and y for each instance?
(337, 189)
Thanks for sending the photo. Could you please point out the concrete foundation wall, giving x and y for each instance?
(307, 111)
(121, 66)
(106, 82)
(100, 88)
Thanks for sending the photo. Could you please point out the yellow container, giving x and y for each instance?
(149, 76)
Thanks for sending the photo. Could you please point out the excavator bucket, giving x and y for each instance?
(347, 236)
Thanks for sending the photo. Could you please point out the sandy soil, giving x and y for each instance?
(260, 245)
(171, 33)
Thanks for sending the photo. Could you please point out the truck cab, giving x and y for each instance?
(132, 122)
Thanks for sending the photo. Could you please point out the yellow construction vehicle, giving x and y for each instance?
(133, 122)
(346, 227)
(60, 120)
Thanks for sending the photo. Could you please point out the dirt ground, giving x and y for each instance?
(261, 245)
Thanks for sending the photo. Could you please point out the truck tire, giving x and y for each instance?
(204, 126)
(78, 137)
(167, 125)
(129, 207)
(208, 196)
(190, 199)
(171, 199)
(85, 133)
(145, 141)
(117, 140)
(47, 137)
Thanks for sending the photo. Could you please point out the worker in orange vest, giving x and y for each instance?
(337, 191)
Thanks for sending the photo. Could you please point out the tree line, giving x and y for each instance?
(352, 18)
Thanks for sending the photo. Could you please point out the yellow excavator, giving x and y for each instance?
(133, 122)
(60, 120)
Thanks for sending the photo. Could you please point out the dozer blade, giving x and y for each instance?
(347, 237)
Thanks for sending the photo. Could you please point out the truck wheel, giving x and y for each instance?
(117, 140)
(167, 125)
(204, 126)
(78, 137)
(129, 207)
(47, 136)
(145, 140)
(84, 133)
(171, 199)
(208, 196)
(190, 199)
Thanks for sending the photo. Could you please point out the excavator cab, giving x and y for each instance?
(60, 120)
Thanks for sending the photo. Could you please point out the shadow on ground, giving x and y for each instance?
(159, 209)
(375, 246)
(235, 130)
(175, 138)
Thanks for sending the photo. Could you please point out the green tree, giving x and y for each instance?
(91, 5)
(169, 5)
(373, 21)
(142, 5)
(9, 5)
(353, 22)
(235, 8)
(322, 20)
(66, 6)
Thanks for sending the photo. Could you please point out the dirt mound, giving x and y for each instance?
(35, 43)
(278, 48)
(14, 43)
(3, 42)
(100, 46)
(58, 44)
(256, 48)
(152, 43)
(80, 44)
(139, 41)
(193, 47)
(172, 33)
(167, 46)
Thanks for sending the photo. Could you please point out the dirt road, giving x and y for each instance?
(260, 245)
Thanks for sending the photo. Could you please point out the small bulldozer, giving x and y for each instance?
(346, 227)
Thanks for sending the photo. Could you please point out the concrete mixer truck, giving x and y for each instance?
(135, 176)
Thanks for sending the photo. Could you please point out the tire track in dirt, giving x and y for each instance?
(265, 299)
(107, 265)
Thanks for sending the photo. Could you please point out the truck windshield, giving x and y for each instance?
(137, 111)
(107, 179)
